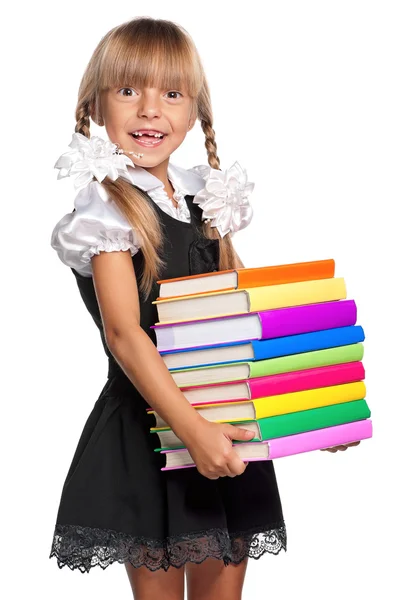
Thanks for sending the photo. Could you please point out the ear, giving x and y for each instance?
(192, 121)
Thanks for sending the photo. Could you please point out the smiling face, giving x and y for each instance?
(125, 110)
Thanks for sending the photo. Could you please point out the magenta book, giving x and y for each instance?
(257, 325)
(272, 385)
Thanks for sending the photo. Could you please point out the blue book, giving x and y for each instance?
(262, 349)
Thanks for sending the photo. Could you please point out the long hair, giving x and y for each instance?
(155, 53)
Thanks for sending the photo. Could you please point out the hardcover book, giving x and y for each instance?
(272, 366)
(284, 446)
(256, 326)
(269, 406)
(288, 424)
(262, 349)
(270, 385)
(246, 278)
(214, 304)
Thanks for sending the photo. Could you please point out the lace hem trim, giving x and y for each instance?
(86, 547)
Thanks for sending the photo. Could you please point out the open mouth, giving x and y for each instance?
(148, 139)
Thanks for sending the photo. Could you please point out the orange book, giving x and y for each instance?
(236, 279)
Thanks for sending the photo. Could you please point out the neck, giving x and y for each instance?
(160, 171)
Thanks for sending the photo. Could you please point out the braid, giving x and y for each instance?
(229, 259)
(133, 205)
(83, 119)
(210, 143)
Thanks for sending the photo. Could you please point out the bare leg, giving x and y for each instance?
(212, 580)
(153, 585)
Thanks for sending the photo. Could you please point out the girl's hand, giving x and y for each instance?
(341, 447)
(210, 446)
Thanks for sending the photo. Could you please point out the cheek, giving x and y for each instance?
(180, 120)
(118, 116)
(180, 125)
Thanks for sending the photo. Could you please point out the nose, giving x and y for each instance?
(149, 105)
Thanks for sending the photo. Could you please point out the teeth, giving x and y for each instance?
(157, 135)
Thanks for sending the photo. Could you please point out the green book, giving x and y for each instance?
(288, 424)
(271, 366)
(307, 360)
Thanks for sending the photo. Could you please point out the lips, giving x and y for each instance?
(147, 139)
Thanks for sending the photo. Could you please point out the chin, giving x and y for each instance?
(147, 162)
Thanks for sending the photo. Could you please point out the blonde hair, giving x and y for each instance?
(154, 53)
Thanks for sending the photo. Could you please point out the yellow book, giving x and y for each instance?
(271, 406)
(256, 299)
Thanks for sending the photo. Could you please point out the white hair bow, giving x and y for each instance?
(224, 199)
(91, 157)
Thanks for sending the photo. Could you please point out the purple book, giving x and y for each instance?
(258, 325)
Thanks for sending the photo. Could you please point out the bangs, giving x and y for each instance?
(150, 54)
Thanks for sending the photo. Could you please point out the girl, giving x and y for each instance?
(135, 222)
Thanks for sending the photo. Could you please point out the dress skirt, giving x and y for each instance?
(118, 506)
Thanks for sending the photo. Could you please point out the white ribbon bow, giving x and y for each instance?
(224, 199)
(94, 157)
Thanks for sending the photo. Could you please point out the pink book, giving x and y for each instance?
(273, 385)
(287, 445)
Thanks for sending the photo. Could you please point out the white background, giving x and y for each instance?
(305, 98)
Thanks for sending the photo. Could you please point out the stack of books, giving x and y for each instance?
(275, 350)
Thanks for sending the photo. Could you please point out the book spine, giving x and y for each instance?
(306, 342)
(307, 360)
(315, 418)
(307, 379)
(296, 294)
(306, 271)
(288, 403)
(303, 319)
(320, 438)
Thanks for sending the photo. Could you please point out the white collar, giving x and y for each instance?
(188, 182)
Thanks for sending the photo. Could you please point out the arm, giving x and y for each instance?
(208, 443)
(116, 289)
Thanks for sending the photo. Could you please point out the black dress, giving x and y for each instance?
(116, 503)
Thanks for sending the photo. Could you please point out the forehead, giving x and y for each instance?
(158, 66)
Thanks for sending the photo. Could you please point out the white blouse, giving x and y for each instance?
(98, 225)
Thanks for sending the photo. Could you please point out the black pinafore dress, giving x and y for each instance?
(116, 504)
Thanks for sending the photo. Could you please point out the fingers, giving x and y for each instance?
(233, 467)
(341, 447)
(334, 449)
(238, 433)
(236, 464)
(217, 472)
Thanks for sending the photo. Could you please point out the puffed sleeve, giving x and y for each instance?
(95, 225)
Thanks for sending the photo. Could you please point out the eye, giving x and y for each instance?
(174, 92)
(126, 95)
